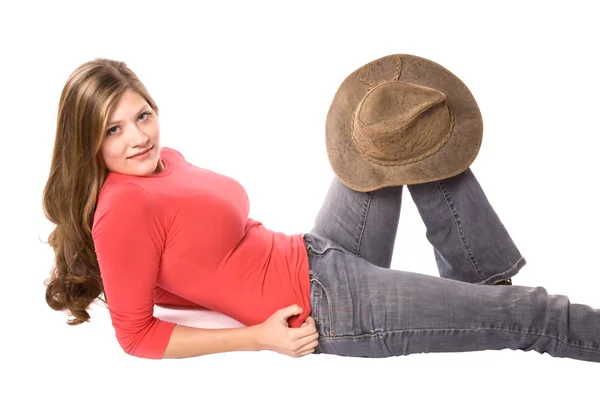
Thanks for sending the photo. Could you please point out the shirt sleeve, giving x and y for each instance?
(129, 240)
(163, 297)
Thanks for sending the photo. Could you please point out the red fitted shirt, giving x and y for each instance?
(183, 237)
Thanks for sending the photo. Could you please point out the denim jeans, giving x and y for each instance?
(363, 308)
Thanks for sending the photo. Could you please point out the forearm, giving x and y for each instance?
(187, 341)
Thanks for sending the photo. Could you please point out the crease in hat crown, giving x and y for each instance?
(369, 151)
(399, 123)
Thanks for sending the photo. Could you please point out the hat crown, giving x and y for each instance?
(401, 123)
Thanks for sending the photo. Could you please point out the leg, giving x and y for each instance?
(364, 223)
(470, 242)
(362, 310)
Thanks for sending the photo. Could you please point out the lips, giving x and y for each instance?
(142, 152)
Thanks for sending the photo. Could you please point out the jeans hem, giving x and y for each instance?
(591, 353)
(509, 273)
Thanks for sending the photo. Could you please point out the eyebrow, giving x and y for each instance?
(139, 112)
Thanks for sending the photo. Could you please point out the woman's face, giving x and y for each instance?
(132, 128)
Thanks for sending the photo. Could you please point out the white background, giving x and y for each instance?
(243, 89)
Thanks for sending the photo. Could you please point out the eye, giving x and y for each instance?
(112, 130)
(147, 114)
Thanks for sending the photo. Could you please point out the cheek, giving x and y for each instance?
(155, 129)
(112, 150)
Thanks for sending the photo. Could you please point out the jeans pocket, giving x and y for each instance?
(321, 306)
(318, 245)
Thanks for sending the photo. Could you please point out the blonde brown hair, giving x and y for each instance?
(77, 173)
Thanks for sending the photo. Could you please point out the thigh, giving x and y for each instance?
(363, 223)
(363, 310)
(469, 240)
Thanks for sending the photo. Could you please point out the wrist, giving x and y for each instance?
(256, 337)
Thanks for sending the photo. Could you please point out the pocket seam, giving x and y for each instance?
(328, 298)
(329, 246)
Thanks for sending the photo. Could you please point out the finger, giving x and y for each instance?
(285, 313)
(306, 346)
(290, 311)
(310, 326)
(307, 330)
(303, 332)
(304, 324)
(308, 339)
(306, 353)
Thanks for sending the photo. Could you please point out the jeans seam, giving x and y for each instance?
(328, 298)
(512, 271)
(456, 223)
(366, 335)
(361, 228)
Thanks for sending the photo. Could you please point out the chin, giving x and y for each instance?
(149, 171)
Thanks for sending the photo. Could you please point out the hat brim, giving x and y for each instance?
(454, 157)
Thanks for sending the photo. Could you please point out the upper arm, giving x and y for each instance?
(129, 238)
(163, 297)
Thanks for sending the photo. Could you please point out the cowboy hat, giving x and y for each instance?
(399, 120)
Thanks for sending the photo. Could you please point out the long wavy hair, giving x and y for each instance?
(77, 173)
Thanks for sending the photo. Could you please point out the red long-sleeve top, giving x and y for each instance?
(183, 237)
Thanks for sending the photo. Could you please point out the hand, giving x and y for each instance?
(275, 334)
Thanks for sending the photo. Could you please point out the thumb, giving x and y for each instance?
(290, 311)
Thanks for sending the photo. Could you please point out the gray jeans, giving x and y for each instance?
(363, 308)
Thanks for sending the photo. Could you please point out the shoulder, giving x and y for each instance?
(171, 152)
(123, 194)
(123, 204)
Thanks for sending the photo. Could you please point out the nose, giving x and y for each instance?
(137, 137)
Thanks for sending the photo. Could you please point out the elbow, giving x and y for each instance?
(131, 346)
(149, 342)
(134, 348)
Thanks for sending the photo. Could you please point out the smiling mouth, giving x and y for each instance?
(142, 153)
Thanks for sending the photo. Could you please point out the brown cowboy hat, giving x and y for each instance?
(399, 120)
